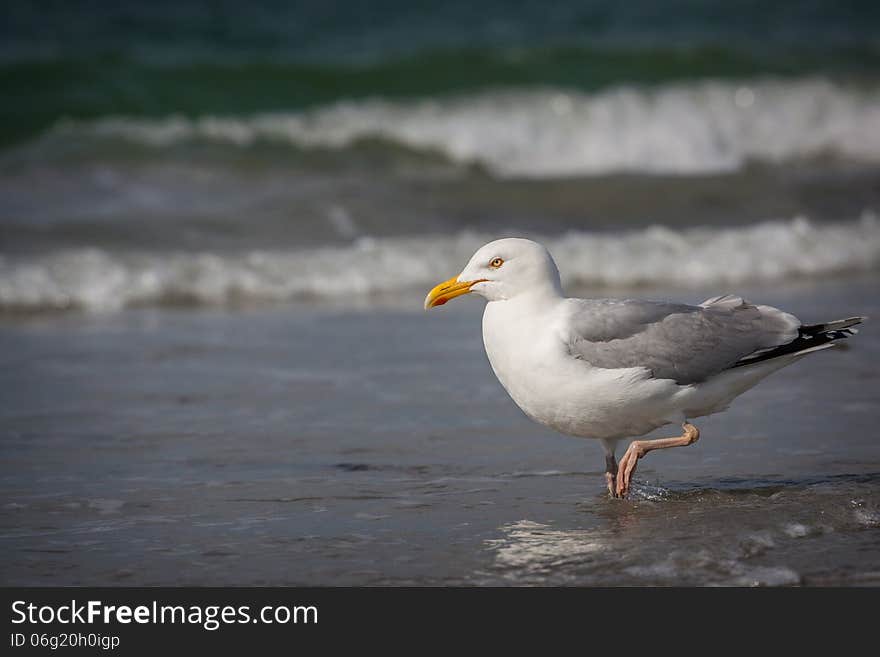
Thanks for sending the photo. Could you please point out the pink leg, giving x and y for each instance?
(611, 473)
(638, 448)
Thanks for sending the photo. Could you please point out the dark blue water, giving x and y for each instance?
(88, 60)
(346, 31)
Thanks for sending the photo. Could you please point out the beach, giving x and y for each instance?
(321, 446)
(214, 250)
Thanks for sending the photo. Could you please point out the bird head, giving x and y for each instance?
(502, 270)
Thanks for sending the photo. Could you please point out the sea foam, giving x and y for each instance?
(97, 279)
(693, 128)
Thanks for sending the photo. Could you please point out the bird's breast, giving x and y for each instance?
(528, 357)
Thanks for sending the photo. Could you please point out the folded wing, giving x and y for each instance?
(684, 343)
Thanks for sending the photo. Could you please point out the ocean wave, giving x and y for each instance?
(101, 280)
(695, 128)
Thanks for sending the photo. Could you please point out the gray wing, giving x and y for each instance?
(687, 344)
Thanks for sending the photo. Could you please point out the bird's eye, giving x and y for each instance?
(496, 263)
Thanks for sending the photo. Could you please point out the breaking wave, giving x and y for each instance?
(695, 128)
(96, 279)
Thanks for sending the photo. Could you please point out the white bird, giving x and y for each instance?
(619, 368)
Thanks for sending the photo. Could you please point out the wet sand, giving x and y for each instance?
(312, 445)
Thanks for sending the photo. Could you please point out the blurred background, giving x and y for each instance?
(205, 152)
(219, 219)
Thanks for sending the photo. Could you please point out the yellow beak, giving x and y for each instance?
(448, 290)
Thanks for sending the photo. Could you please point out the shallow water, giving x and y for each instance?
(308, 444)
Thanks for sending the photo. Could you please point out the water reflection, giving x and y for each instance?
(745, 533)
(538, 554)
(532, 551)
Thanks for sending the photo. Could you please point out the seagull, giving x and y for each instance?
(610, 369)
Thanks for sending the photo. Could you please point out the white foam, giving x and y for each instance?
(796, 530)
(683, 129)
(97, 279)
(763, 576)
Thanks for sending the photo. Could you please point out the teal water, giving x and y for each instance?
(194, 57)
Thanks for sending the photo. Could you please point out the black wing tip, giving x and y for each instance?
(809, 337)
